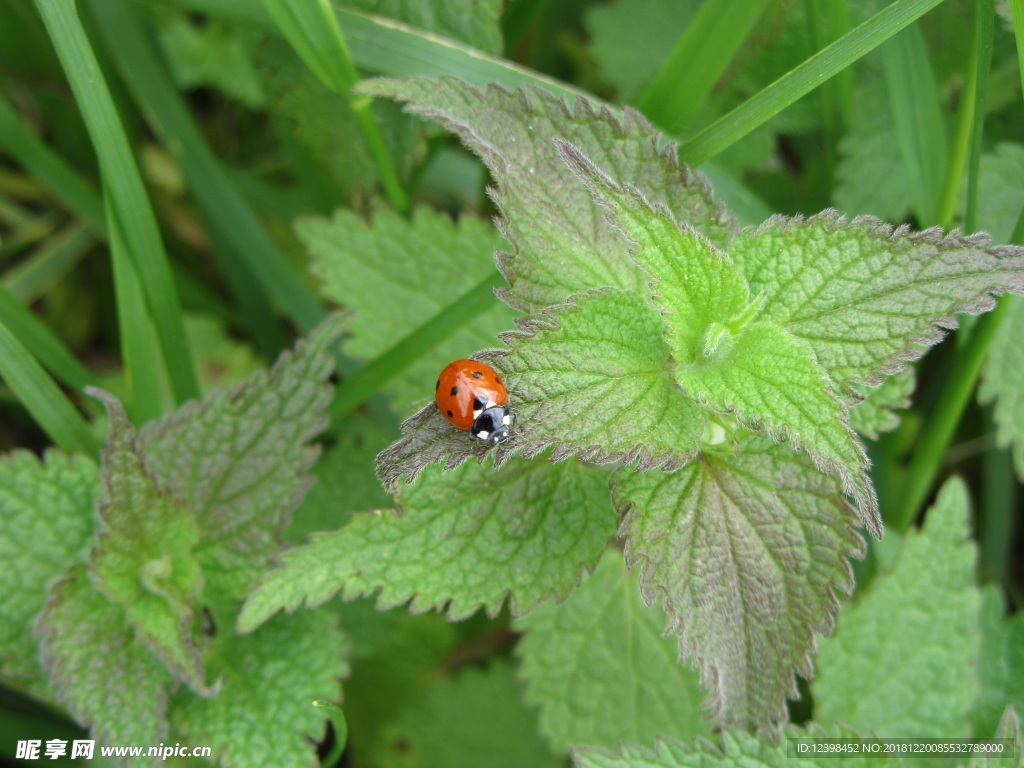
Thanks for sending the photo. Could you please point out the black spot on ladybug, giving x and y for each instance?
(497, 379)
(437, 385)
(450, 414)
(455, 391)
(478, 404)
(477, 375)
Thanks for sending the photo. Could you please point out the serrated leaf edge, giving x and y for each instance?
(583, 111)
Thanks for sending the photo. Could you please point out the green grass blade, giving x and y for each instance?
(42, 398)
(802, 79)
(312, 29)
(231, 221)
(914, 102)
(1017, 9)
(678, 90)
(48, 348)
(145, 400)
(127, 194)
(34, 276)
(392, 48)
(984, 21)
(48, 167)
(942, 423)
(367, 381)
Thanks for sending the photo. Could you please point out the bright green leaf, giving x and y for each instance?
(469, 538)
(770, 379)
(695, 286)
(108, 680)
(590, 378)
(471, 719)
(602, 670)
(47, 520)
(1001, 666)
(263, 713)
(876, 413)
(398, 273)
(865, 297)
(144, 559)
(903, 659)
(737, 749)
(748, 549)
(238, 460)
(563, 245)
(1001, 381)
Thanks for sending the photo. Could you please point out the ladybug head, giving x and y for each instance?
(493, 424)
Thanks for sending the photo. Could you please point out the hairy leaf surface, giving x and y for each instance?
(468, 538)
(747, 549)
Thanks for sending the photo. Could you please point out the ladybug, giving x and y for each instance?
(472, 396)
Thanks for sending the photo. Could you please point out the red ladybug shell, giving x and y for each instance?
(465, 388)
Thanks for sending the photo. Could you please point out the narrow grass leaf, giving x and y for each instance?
(49, 168)
(802, 80)
(713, 37)
(42, 398)
(225, 211)
(920, 127)
(127, 194)
(47, 347)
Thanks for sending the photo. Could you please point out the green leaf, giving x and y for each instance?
(345, 479)
(629, 39)
(695, 285)
(129, 204)
(737, 749)
(601, 669)
(865, 297)
(903, 659)
(562, 243)
(590, 378)
(771, 380)
(999, 186)
(471, 719)
(144, 560)
(1001, 383)
(760, 373)
(109, 681)
(263, 713)
(211, 54)
(239, 460)
(865, 183)
(748, 549)
(397, 274)
(876, 412)
(46, 525)
(469, 538)
(1001, 664)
